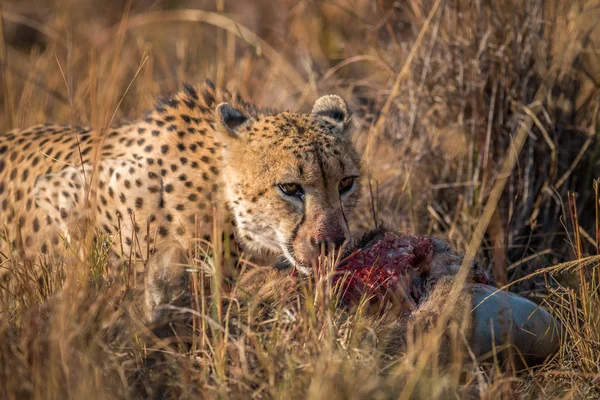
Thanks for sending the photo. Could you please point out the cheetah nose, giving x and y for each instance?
(327, 242)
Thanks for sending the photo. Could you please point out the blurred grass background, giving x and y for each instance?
(438, 89)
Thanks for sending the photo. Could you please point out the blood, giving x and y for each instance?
(392, 265)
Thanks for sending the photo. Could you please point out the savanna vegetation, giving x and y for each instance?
(477, 121)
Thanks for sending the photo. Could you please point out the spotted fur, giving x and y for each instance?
(196, 152)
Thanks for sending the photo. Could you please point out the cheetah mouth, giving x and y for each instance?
(303, 267)
(306, 267)
(291, 261)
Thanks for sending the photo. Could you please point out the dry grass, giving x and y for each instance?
(443, 93)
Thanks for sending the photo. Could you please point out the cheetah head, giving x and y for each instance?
(291, 180)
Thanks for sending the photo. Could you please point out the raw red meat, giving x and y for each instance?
(398, 267)
(384, 267)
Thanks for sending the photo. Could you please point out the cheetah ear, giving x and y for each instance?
(333, 109)
(229, 119)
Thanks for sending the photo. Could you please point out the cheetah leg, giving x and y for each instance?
(166, 280)
(128, 204)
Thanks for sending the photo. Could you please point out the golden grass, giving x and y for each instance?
(442, 91)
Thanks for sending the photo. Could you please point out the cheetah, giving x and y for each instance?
(288, 181)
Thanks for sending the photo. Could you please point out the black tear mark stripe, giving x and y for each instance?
(290, 245)
(343, 213)
(297, 227)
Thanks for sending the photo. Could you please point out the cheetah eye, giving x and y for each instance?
(291, 189)
(346, 184)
